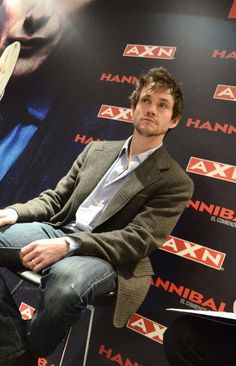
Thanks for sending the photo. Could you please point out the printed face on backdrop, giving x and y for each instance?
(152, 116)
(37, 25)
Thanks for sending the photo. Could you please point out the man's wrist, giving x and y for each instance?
(72, 245)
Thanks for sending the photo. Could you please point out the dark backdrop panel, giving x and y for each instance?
(89, 71)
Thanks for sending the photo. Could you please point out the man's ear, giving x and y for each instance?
(175, 121)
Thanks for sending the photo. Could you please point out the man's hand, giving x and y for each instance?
(8, 216)
(42, 253)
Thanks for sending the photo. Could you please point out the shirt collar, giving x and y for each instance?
(141, 157)
(125, 147)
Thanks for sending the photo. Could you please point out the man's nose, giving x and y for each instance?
(151, 109)
(38, 14)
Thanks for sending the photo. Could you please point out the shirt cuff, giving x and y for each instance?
(73, 245)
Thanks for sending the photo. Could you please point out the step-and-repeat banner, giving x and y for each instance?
(78, 64)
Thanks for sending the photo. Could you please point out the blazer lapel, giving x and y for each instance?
(145, 174)
(105, 157)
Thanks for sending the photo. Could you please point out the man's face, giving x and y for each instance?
(152, 116)
(36, 24)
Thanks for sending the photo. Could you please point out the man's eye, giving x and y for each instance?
(146, 98)
(163, 105)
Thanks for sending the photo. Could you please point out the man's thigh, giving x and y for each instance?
(84, 277)
(21, 234)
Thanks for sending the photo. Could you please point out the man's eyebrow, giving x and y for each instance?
(162, 99)
(165, 100)
(146, 95)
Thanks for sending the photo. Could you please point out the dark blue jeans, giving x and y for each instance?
(67, 287)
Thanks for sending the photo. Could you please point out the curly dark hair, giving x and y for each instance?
(161, 79)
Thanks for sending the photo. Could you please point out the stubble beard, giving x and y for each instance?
(145, 131)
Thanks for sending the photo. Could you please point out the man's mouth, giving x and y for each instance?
(148, 120)
(29, 45)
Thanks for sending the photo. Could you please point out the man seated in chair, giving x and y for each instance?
(93, 233)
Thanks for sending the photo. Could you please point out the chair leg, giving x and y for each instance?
(90, 325)
(65, 347)
(92, 310)
(17, 286)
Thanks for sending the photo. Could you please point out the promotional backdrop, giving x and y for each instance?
(78, 94)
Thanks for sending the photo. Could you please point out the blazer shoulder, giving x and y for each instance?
(103, 145)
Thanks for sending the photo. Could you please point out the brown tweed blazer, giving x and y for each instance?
(136, 222)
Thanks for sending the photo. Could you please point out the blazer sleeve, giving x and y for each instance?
(50, 202)
(146, 232)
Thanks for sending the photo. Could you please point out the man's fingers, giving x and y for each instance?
(8, 216)
(36, 264)
(2, 222)
(5, 221)
(27, 249)
(33, 264)
(43, 252)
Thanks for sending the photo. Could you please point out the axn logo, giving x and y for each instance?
(194, 252)
(212, 169)
(115, 113)
(26, 311)
(146, 327)
(232, 13)
(149, 51)
(116, 357)
(225, 92)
